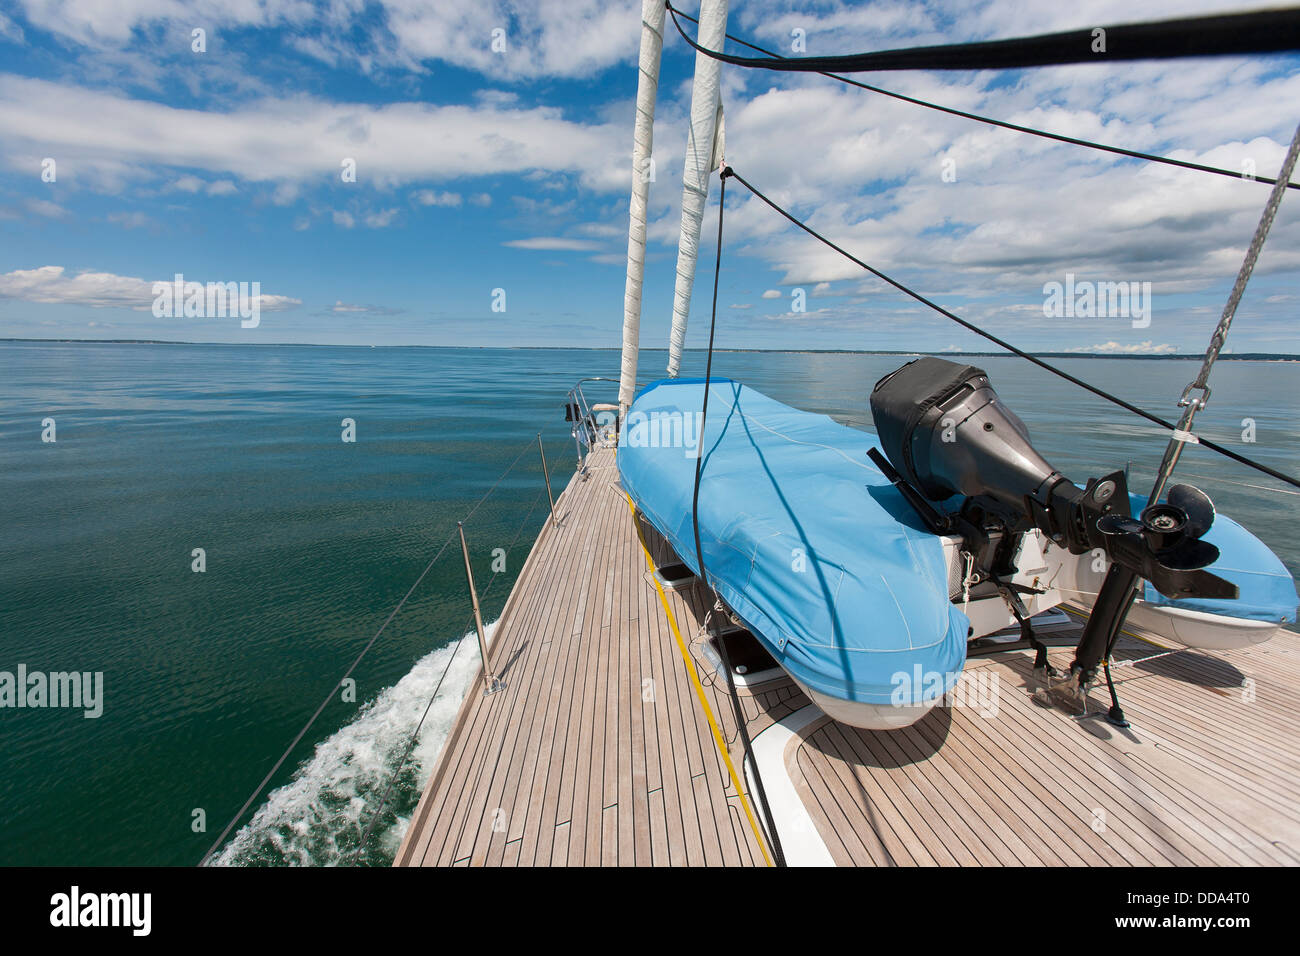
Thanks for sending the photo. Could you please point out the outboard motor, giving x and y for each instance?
(944, 429)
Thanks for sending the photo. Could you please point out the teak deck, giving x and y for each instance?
(599, 752)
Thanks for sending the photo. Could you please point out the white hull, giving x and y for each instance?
(1080, 580)
(1211, 632)
(869, 716)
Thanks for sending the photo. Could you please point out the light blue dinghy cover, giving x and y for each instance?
(802, 536)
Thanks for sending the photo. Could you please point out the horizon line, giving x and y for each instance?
(1239, 356)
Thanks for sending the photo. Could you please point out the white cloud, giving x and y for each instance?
(350, 308)
(94, 23)
(1133, 348)
(772, 294)
(101, 290)
(431, 197)
(554, 244)
(562, 38)
(381, 219)
(876, 187)
(344, 219)
(193, 184)
(10, 30)
(49, 284)
(129, 220)
(542, 38)
(287, 141)
(46, 208)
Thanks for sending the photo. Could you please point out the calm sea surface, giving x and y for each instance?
(310, 542)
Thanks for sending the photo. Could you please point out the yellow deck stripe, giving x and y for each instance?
(699, 689)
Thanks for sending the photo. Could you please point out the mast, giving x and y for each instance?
(701, 159)
(647, 89)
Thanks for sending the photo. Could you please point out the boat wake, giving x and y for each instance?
(318, 817)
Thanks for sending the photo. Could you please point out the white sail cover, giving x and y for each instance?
(647, 88)
(700, 162)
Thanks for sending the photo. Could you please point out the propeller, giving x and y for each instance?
(1194, 503)
(1164, 544)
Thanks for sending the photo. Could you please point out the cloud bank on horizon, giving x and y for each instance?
(462, 168)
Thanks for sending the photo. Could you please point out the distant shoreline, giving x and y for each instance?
(1180, 356)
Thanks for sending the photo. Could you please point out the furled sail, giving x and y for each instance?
(652, 42)
(702, 157)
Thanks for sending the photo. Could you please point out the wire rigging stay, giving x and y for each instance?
(293, 744)
(1003, 124)
(1255, 32)
(414, 736)
(1001, 343)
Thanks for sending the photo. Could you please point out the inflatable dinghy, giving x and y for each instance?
(866, 580)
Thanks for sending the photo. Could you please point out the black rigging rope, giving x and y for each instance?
(1014, 127)
(725, 654)
(1100, 393)
(1261, 31)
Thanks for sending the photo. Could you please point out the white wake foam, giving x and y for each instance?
(317, 818)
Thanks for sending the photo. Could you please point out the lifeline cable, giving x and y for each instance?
(415, 734)
(1014, 127)
(216, 845)
(699, 550)
(1128, 406)
(1261, 31)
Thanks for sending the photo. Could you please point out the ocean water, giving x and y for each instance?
(310, 542)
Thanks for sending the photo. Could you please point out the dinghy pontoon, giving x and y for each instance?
(866, 584)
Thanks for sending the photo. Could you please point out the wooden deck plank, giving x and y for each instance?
(436, 812)
(1100, 786)
(570, 752)
(1192, 806)
(559, 801)
(599, 750)
(557, 734)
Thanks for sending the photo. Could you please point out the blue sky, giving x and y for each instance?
(479, 170)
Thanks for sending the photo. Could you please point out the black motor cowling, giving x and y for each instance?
(944, 429)
(943, 426)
